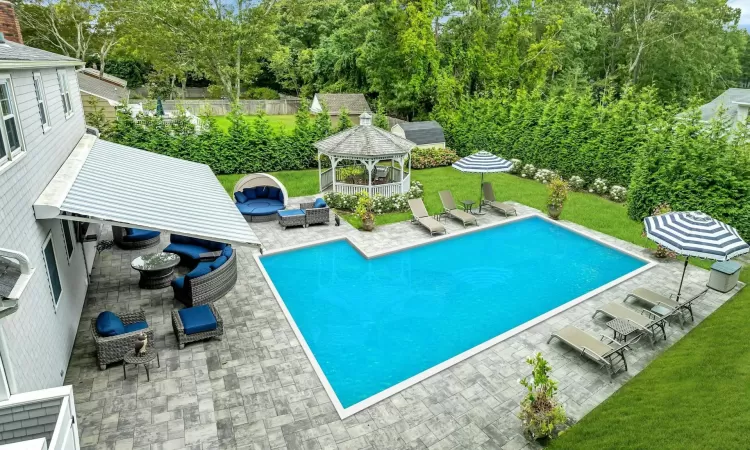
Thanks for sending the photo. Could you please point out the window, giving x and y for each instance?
(68, 238)
(53, 274)
(11, 141)
(62, 78)
(41, 101)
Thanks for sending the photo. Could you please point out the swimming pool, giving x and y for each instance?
(373, 326)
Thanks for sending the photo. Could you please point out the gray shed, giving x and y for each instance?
(425, 134)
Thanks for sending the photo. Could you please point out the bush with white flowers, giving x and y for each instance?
(544, 175)
(599, 187)
(577, 183)
(380, 203)
(618, 193)
(528, 171)
(516, 166)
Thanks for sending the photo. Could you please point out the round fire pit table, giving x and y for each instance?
(156, 269)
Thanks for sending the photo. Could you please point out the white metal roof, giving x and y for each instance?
(117, 184)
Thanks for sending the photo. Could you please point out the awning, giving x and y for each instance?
(106, 182)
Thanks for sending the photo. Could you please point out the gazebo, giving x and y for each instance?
(354, 155)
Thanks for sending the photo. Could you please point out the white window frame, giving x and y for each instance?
(65, 224)
(11, 154)
(62, 80)
(41, 100)
(55, 301)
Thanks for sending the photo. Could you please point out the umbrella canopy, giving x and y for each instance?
(159, 107)
(695, 234)
(483, 162)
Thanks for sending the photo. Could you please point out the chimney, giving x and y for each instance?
(365, 119)
(9, 25)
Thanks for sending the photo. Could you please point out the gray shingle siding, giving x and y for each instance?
(29, 421)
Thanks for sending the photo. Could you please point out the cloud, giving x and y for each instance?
(744, 5)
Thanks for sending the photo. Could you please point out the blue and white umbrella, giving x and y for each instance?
(482, 162)
(695, 234)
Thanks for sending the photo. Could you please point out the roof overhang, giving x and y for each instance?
(112, 102)
(111, 183)
(22, 64)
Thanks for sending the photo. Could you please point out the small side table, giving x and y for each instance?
(621, 328)
(144, 359)
(467, 205)
(157, 269)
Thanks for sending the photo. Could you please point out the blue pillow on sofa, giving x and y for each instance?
(249, 193)
(273, 192)
(218, 262)
(240, 197)
(201, 269)
(108, 324)
(261, 191)
(319, 203)
(227, 251)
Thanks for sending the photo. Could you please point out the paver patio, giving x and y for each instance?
(257, 390)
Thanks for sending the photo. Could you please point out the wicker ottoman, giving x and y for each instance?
(291, 218)
(184, 331)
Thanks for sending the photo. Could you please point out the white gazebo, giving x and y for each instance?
(354, 155)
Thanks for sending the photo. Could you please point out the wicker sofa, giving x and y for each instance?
(111, 349)
(315, 215)
(184, 338)
(193, 290)
(134, 238)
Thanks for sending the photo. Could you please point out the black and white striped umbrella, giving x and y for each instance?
(482, 162)
(695, 234)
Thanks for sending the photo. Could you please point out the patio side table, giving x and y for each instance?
(467, 205)
(144, 359)
(156, 269)
(622, 329)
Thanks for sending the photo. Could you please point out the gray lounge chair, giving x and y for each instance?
(646, 321)
(610, 355)
(489, 200)
(420, 215)
(449, 207)
(655, 299)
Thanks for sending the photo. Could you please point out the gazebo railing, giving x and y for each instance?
(386, 189)
(326, 179)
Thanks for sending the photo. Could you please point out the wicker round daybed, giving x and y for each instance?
(259, 196)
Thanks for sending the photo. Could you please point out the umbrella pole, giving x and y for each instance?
(480, 193)
(684, 269)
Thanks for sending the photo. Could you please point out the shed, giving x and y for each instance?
(427, 134)
(355, 105)
(105, 93)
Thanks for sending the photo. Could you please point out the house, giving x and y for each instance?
(427, 134)
(355, 105)
(735, 103)
(59, 188)
(101, 92)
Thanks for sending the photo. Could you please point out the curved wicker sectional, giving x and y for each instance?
(211, 286)
(119, 234)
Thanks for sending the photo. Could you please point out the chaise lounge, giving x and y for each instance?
(646, 321)
(489, 200)
(655, 299)
(610, 355)
(259, 197)
(420, 215)
(134, 238)
(449, 205)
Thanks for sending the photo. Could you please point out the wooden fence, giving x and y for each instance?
(223, 107)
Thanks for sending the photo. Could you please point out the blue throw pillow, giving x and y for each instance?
(261, 191)
(108, 324)
(227, 251)
(273, 192)
(250, 193)
(201, 269)
(218, 262)
(319, 203)
(240, 197)
(128, 231)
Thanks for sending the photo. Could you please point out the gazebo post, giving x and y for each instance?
(320, 175)
(334, 162)
(401, 167)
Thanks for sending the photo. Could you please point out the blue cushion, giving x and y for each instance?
(245, 209)
(201, 269)
(108, 324)
(188, 251)
(249, 193)
(264, 211)
(218, 262)
(240, 197)
(129, 231)
(291, 212)
(178, 283)
(179, 239)
(138, 235)
(142, 325)
(319, 203)
(197, 319)
(273, 192)
(261, 191)
(227, 251)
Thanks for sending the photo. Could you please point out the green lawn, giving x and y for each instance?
(695, 396)
(279, 123)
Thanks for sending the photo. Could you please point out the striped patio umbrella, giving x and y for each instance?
(482, 162)
(695, 234)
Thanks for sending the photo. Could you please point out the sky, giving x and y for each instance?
(744, 5)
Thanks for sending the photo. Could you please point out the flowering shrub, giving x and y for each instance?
(424, 158)
(544, 175)
(576, 183)
(618, 193)
(516, 167)
(380, 203)
(528, 171)
(416, 190)
(340, 201)
(599, 186)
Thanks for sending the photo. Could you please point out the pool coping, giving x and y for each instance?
(421, 376)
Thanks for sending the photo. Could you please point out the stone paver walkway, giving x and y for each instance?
(257, 390)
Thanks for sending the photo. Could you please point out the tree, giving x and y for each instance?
(344, 121)
(380, 119)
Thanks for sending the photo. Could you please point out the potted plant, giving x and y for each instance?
(541, 414)
(558, 194)
(365, 211)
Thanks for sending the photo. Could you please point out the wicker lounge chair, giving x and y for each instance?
(646, 321)
(135, 239)
(184, 338)
(489, 200)
(655, 299)
(419, 215)
(610, 355)
(209, 287)
(111, 349)
(315, 215)
(449, 206)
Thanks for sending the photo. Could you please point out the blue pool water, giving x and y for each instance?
(374, 323)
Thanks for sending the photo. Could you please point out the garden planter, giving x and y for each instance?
(554, 211)
(368, 224)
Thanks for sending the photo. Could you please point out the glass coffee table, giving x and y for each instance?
(157, 269)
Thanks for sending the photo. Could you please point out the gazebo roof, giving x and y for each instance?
(364, 141)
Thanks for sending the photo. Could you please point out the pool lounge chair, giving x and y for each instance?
(610, 355)
(419, 213)
(489, 200)
(646, 321)
(449, 206)
(655, 299)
